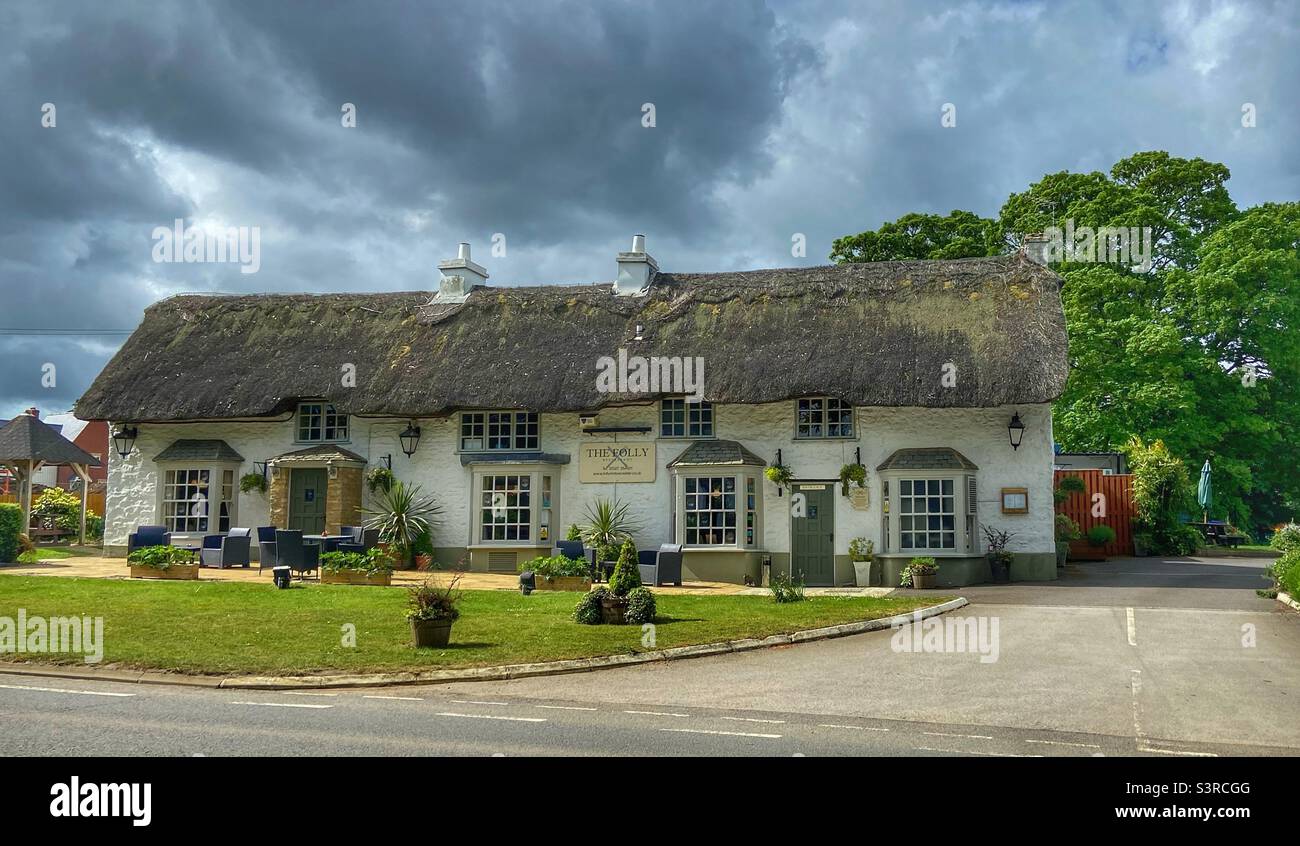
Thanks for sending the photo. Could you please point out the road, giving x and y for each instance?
(1129, 657)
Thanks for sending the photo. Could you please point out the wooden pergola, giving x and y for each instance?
(27, 445)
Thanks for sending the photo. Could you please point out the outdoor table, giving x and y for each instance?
(328, 543)
(192, 550)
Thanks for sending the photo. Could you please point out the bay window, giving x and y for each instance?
(515, 506)
(929, 513)
(198, 499)
(718, 507)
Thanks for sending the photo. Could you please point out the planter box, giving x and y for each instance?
(354, 577)
(862, 572)
(182, 572)
(430, 633)
(613, 610)
(582, 583)
(924, 581)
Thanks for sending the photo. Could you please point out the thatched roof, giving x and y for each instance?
(25, 438)
(871, 334)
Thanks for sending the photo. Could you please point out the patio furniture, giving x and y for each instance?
(265, 547)
(363, 540)
(327, 543)
(575, 550)
(293, 552)
(229, 550)
(661, 566)
(144, 536)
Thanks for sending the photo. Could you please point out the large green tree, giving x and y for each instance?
(1200, 350)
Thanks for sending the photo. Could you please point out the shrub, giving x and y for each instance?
(1066, 529)
(61, 509)
(1286, 538)
(574, 533)
(587, 611)
(627, 575)
(861, 549)
(370, 562)
(556, 565)
(11, 526)
(1162, 490)
(640, 606)
(785, 588)
(1286, 571)
(1100, 535)
(1069, 485)
(159, 557)
(432, 601)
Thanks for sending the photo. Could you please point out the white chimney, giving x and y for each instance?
(460, 276)
(1035, 247)
(636, 269)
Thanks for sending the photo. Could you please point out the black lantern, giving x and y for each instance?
(124, 440)
(410, 439)
(1015, 430)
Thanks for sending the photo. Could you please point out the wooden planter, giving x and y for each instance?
(356, 577)
(613, 610)
(582, 583)
(430, 633)
(924, 581)
(183, 572)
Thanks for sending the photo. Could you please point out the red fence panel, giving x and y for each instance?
(1108, 501)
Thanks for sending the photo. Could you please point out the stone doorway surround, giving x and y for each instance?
(345, 474)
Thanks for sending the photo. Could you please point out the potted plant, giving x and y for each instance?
(1100, 535)
(252, 482)
(626, 578)
(422, 549)
(1066, 530)
(852, 474)
(920, 573)
(862, 553)
(558, 572)
(162, 562)
(1069, 485)
(609, 524)
(372, 567)
(574, 533)
(998, 554)
(379, 478)
(431, 609)
(401, 515)
(779, 475)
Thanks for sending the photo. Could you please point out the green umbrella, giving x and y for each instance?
(1205, 490)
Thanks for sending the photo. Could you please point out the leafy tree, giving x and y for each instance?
(961, 234)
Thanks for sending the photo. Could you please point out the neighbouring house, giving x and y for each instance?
(924, 372)
(1110, 463)
(91, 436)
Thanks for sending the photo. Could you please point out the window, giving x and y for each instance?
(710, 510)
(499, 430)
(319, 422)
(506, 512)
(681, 419)
(824, 417)
(751, 511)
(927, 514)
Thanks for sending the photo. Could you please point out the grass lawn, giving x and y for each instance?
(228, 627)
(53, 553)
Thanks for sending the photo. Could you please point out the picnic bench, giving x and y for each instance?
(1217, 534)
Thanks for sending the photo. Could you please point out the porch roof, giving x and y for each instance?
(712, 453)
(320, 454)
(935, 458)
(188, 449)
(514, 458)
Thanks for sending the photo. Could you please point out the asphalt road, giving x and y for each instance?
(1130, 657)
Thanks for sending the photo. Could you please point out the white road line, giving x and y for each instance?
(656, 713)
(855, 728)
(1144, 748)
(972, 752)
(1135, 686)
(566, 708)
(493, 717)
(1132, 628)
(402, 698)
(1065, 743)
(968, 736)
(282, 704)
(752, 720)
(304, 693)
(62, 690)
(727, 733)
(476, 702)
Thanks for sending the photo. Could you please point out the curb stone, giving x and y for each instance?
(501, 673)
(1286, 599)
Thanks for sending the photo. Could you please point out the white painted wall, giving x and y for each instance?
(979, 434)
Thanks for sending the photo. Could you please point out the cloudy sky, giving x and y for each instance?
(525, 120)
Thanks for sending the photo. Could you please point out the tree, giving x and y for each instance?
(961, 234)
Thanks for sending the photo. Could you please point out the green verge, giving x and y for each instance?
(232, 628)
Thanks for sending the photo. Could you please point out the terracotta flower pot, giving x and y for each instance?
(423, 562)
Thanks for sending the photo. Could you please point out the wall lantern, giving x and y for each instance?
(124, 440)
(1015, 430)
(410, 438)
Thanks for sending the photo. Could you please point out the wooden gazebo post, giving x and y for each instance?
(83, 473)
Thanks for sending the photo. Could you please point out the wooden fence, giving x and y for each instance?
(94, 502)
(1114, 509)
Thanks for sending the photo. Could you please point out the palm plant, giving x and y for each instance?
(609, 523)
(402, 515)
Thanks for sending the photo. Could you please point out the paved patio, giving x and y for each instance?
(99, 567)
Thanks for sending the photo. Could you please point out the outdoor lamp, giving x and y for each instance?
(124, 440)
(1015, 430)
(410, 439)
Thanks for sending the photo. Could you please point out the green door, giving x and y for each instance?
(307, 500)
(812, 551)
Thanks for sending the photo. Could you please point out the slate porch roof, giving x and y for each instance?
(704, 453)
(936, 458)
(199, 450)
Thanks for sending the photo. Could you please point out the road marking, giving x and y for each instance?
(752, 720)
(62, 690)
(476, 702)
(493, 717)
(1065, 743)
(969, 736)
(972, 752)
(657, 713)
(402, 698)
(282, 704)
(1144, 748)
(727, 733)
(855, 728)
(304, 693)
(567, 708)
(1132, 628)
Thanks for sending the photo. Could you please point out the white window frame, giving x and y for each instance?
(746, 485)
(531, 422)
(327, 411)
(687, 410)
(227, 492)
(965, 512)
(824, 412)
(543, 513)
